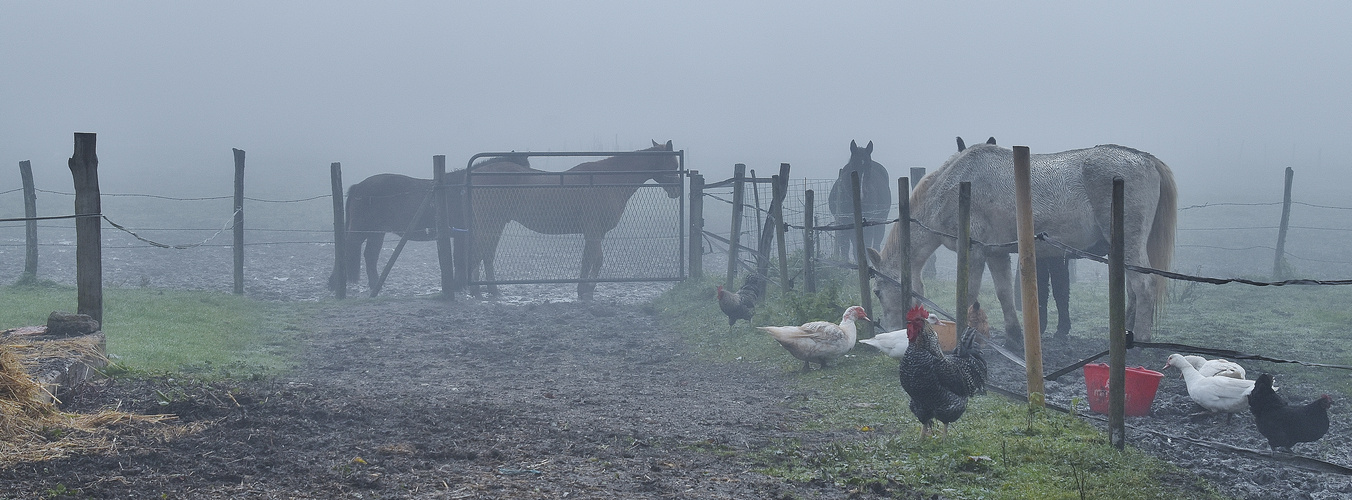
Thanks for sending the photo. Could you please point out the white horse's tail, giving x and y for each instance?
(1160, 244)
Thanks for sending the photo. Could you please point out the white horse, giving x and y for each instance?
(1072, 198)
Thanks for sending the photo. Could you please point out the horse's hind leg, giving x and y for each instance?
(374, 244)
(1060, 284)
(591, 268)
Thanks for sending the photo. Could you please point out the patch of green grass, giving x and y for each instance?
(997, 450)
(206, 334)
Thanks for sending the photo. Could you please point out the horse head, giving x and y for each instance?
(860, 158)
(669, 170)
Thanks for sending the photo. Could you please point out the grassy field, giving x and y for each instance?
(1000, 449)
(200, 333)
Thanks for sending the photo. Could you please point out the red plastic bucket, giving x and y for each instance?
(1142, 383)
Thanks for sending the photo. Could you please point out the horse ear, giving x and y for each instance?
(655, 144)
(875, 259)
(869, 148)
(853, 146)
(669, 148)
(961, 145)
(991, 141)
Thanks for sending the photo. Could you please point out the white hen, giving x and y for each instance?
(894, 343)
(1216, 367)
(1216, 394)
(819, 340)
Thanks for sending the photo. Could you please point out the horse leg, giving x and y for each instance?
(374, 244)
(591, 268)
(1060, 284)
(842, 238)
(1044, 278)
(999, 264)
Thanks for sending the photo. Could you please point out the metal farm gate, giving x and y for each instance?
(647, 245)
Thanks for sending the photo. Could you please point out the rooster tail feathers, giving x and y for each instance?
(755, 284)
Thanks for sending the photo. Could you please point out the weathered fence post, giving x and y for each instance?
(84, 169)
(239, 221)
(339, 280)
(964, 253)
(904, 227)
(1117, 322)
(1280, 269)
(860, 255)
(931, 271)
(445, 257)
(30, 212)
(809, 244)
(1032, 341)
(781, 191)
(696, 225)
(735, 238)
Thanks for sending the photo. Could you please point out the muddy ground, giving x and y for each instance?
(533, 396)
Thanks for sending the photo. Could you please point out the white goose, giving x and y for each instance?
(1216, 367)
(1216, 393)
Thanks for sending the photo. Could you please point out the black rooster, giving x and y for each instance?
(1282, 424)
(938, 383)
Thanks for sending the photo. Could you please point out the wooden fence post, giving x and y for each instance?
(1032, 341)
(696, 225)
(781, 190)
(964, 254)
(809, 243)
(445, 257)
(860, 255)
(930, 271)
(30, 211)
(84, 169)
(1280, 270)
(735, 238)
(239, 221)
(339, 280)
(1117, 322)
(904, 226)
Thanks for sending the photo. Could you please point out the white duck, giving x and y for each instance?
(894, 343)
(819, 340)
(1216, 393)
(1216, 367)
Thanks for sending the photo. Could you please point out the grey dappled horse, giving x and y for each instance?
(877, 199)
(1072, 197)
(591, 209)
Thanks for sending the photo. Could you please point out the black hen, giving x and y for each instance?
(939, 383)
(741, 305)
(1282, 424)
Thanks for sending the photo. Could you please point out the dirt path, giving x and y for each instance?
(414, 398)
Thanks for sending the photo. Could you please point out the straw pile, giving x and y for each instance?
(33, 429)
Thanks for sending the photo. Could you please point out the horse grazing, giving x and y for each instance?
(394, 203)
(877, 198)
(591, 202)
(1072, 198)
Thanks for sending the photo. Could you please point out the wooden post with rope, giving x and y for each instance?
(339, 283)
(238, 249)
(904, 226)
(1117, 322)
(809, 244)
(735, 238)
(1279, 268)
(781, 190)
(964, 253)
(696, 225)
(1032, 341)
(84, 169)
(860, 253)
(30, 212)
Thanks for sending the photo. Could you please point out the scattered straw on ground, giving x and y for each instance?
(33, 430)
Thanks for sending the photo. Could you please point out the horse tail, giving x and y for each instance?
(1160, 244)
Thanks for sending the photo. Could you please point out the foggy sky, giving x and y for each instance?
(1226, 93)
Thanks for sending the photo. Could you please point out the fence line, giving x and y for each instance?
(171, 198)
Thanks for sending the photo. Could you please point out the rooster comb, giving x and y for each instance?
(917, 313)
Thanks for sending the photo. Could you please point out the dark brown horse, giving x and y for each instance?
(399, 204)
(592, 208)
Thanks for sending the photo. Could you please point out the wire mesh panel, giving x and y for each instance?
(534, 226)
